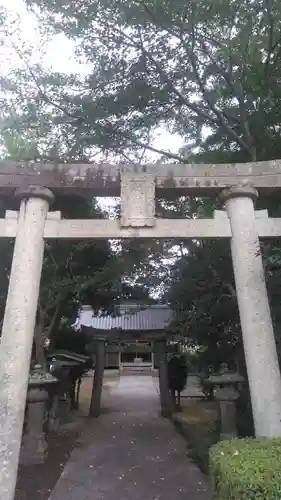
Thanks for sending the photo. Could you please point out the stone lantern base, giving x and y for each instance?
(34, 445)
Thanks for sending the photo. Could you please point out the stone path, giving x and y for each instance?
(131, 453)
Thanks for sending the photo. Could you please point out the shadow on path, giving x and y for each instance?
(131, 453)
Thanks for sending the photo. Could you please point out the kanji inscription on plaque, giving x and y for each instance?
(137, 199)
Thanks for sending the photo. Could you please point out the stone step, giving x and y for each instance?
(135, 370)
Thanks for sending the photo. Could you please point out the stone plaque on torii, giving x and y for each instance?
(37, 184)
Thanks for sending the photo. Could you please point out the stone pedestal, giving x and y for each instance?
(227, 397)
(54, 420)
(225, 392)
(34, 446)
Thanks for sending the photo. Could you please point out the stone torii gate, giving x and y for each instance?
(37, 184)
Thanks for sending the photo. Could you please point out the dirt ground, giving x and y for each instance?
(37, 481)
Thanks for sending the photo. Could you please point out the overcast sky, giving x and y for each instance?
(57, 54)
(27, 31)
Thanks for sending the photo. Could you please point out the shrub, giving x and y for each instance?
(177, 374)
(246, 469)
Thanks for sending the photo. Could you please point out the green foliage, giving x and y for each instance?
(74, 272)
(191, 359)
(204, 298)
(177, 372)
(246, 469)
(149, 59)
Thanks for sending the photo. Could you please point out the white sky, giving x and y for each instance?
(57, 54)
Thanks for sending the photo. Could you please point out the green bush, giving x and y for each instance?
(246, 469)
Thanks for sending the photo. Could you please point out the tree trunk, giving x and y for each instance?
(40, 334)
(179, 401)
(165, 394)
(55, 323)
(98, 379)
(173, 399)
(39, 343)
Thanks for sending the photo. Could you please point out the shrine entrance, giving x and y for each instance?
(137, 354)
(36, 185)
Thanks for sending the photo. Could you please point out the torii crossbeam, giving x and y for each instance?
(37, 184)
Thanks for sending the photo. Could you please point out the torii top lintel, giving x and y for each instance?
(105, 179)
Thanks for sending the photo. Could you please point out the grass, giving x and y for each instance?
(198, 424)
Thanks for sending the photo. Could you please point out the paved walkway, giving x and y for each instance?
(131, 453)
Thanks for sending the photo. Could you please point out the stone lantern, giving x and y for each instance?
(34, 445)
(226, 391)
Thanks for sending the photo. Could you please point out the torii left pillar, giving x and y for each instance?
(18, 329)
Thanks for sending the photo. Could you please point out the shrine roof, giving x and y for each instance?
(148, 318)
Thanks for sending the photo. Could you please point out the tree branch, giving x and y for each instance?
(54, 320)
(218, 120)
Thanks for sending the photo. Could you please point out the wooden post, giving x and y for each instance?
(98, 379)
(165, 396)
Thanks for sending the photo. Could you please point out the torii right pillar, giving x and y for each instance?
(256, 323)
